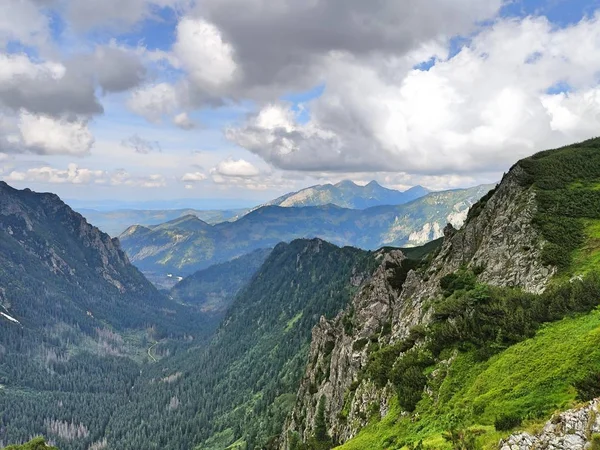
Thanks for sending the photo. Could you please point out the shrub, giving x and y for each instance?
(595, 441)
(588, 388)
(507, 422)
(360, 344)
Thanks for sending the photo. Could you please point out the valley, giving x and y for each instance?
(307, 344)
(288, 225)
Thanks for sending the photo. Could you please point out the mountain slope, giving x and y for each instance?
(171, 249)
(212, 290)
(347, 194)
(410, 366)
(242, 385)
(75, 317)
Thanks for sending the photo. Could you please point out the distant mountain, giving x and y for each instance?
(212, 290)
(184, 246)
(347, 194)
(114, 222)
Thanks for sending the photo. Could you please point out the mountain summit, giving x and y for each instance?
(348, 194)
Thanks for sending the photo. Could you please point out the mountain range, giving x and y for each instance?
(115, 222)
(486, 338)
(188, 244)
(345, 194)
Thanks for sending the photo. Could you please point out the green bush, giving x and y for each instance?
(359, 344)
(588, 388)
(507, 422)
(595, 442)
(408, 378)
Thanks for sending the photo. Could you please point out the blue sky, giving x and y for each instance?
(221, 101)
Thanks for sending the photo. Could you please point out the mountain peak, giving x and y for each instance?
(345, 184)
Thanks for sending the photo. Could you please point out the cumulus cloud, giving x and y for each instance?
(203, 53)
(74, 174)
(49, 136)
(117, 69)
(23, 21)
(193, 177)
(477, 111)
(46, 174)
(154, 101)
(52, 88)
(233, 168)
(280, 45)
(184, 122)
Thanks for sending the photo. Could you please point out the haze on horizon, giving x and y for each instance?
(232, 102)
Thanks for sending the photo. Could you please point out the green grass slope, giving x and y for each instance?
(532, 380)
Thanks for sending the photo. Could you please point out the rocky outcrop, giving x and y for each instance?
(339, 351)
(571, 430)
(498, 241)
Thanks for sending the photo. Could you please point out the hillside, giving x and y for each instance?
(493, 335)
(347, 194)
(242, 387)
(212, 290)
(175, 248)
(76, 319)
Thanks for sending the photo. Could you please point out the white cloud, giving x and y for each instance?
(19, 66)
(23, 21)
(154, 101)
(83, 176)
(183, 121)
(479, 111)
(46, 174)
(193, 177)
(49, 136)
(233, 168)
(203, 53)
(124, 178)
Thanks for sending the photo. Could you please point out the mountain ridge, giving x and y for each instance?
(348, 194)
(178, 251)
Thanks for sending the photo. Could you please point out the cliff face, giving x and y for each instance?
(498, 241)
(55, 267)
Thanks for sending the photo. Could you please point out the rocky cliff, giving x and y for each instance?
(498, 242)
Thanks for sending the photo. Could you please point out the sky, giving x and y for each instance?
(234, 102)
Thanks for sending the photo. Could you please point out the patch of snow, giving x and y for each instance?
(12, 319)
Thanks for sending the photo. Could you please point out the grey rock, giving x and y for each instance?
(571, 430)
